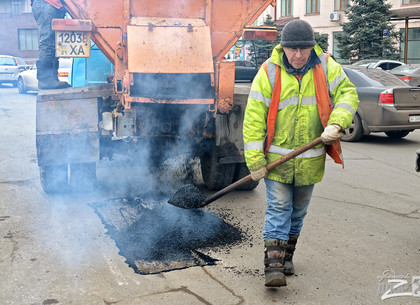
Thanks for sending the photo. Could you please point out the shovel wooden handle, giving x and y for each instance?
(269, 167)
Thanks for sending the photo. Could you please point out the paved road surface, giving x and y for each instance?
(362, 232)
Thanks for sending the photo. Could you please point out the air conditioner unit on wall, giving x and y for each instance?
(335, 16)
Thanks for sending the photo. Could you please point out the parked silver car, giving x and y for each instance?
(408, 73)
(384, 64)
(10, 66)
(27, 80)
(387, 104)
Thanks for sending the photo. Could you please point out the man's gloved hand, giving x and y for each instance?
(258, 174)
(331, 134)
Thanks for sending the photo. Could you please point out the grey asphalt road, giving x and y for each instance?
(360, 242)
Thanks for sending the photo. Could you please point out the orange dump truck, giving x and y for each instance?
(170, 90)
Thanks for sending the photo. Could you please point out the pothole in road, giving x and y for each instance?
(155, 236)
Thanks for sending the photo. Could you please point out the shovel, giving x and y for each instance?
(190, 197)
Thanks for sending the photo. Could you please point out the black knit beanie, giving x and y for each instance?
(297, 34)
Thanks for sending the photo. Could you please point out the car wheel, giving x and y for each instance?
(355, 132)
(397, 134)
(21, 86)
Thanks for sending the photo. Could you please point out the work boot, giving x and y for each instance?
(52, 84)
(274, 253)
(47, 75)
(288, 259)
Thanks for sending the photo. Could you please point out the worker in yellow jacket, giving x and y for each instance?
(298, 95)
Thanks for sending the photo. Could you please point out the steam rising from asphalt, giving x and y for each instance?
(127, 177)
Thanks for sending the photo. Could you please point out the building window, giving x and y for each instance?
(341, 5)
(312, 6)
(15, 7)
(286, 8)
(28, 39)
(410, 2)
(5, 7)
(27, 8)
(413, 45)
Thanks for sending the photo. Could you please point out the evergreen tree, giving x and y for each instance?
(261, 49)
(322, 41)
(369, 33)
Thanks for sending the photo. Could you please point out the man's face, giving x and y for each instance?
(298, 57)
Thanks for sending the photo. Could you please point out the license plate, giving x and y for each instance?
(72, 44)
(414, 118)
(5, 75)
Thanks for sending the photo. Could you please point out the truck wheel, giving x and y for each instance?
(355, 132)
(82, 176)
(241, 171)
(54, 178)
(216, 175)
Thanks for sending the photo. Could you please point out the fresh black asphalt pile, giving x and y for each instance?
(155, 236)
(187, 197)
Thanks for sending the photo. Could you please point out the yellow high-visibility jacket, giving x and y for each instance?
(297, 121)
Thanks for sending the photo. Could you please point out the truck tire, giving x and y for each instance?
(240, 172)
(216, 175)
(82, 176)
(54, 178)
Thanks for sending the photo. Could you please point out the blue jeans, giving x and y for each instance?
(286, 207)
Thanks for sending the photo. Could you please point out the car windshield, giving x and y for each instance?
(406, 68)
(374, 78)
(20, 61)
(7, 61)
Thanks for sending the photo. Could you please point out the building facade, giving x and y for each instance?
(325, 17)
(18, 30)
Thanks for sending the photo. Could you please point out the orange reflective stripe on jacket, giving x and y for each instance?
(274, 106)
(323, 104)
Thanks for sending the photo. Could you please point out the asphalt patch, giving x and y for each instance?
(155, 236)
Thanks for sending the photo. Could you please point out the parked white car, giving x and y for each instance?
(10, 66)
(27, 80)
(384, 64)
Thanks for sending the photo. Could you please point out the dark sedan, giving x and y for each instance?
(245, 70)
(387, 104)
